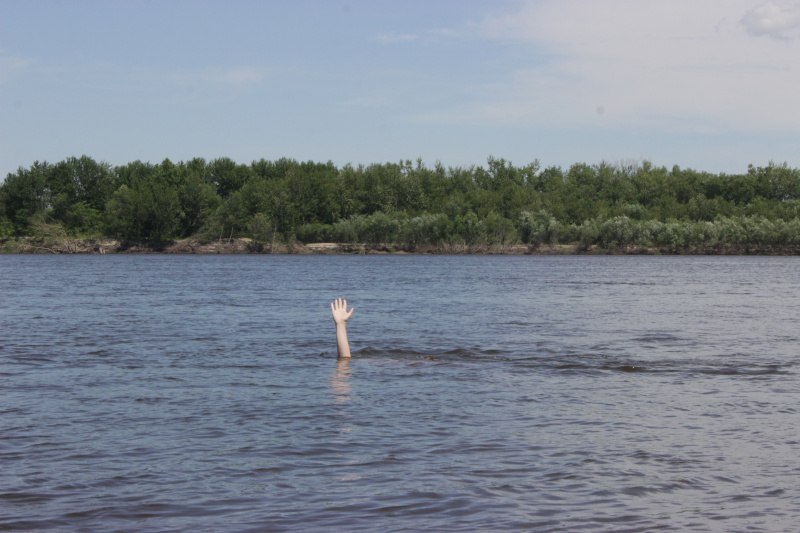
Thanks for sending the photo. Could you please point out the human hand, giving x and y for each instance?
(339, 311)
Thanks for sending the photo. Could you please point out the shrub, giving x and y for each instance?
(308, 233)
(496, 229)
(538, 228)
(347, 231)
(589, 233)
(380, 228)
(617, 231)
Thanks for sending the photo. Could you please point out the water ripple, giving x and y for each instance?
(152, 393)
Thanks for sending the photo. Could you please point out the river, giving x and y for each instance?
(485, 393)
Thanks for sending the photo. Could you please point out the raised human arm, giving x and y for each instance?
(340, 317)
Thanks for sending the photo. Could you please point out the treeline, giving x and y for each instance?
(405, 203)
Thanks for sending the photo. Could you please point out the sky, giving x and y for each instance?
(705, 84)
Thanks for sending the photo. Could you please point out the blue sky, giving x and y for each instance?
(705, 84)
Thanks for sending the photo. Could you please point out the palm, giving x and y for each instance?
(339, 311)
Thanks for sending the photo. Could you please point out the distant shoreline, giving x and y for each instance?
(241, 246)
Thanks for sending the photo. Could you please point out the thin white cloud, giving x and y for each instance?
(394, 38)
(443, 32)
(11, 65)
(677, 65)
(239, 76)
(773, 20)
(366, 101)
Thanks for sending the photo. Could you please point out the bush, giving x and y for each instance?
(498, 230)
(730, 231)
(635, 211)
(791, 230)
(538, 228)
(427, 229)
(672, 235)
(467, 227)
(347, 231)
(618, 231)
(570, 233)
(380, 228)
(308, 233)
(589, 233)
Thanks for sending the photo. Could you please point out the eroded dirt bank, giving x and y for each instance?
(29, 245)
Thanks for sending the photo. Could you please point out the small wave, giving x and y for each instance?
(544, 359)
(452, 354)
(680, 367)
(150, 400)
(609, 282)
(658, 337)
(629, 368)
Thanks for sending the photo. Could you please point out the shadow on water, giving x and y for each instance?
(576, 362)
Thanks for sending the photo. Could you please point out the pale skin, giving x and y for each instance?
(340, 316)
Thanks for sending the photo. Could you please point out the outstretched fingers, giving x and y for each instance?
(339, 310)
(344, 310)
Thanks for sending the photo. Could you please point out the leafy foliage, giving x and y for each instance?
(405, 203)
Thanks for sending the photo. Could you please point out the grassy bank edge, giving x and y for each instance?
(29, 245)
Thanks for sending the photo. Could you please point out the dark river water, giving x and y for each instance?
(529, 393)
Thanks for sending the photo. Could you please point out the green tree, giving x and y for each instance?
(227, 176)
(198, 201)
(24, 193)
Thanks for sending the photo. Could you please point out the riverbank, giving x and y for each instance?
(29, 245)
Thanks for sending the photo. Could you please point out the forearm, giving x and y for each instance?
(341, 341)
(340, 316)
